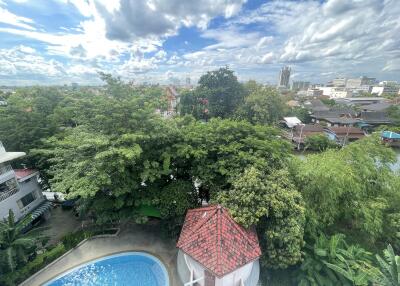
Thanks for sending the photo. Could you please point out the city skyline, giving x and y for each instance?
(64, 41)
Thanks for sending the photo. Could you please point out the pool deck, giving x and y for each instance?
(131, 238)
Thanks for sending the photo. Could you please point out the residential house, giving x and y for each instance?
(375, 118)
(301, 132)
(345, 134)
(291, 122)
(336, 116)
(381, 106)
(315, 105)
(214, 250)
(20, 190)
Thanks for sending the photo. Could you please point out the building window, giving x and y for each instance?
(27, 199)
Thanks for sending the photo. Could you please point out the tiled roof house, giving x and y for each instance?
(215, 250)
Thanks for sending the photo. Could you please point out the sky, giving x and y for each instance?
(54, 42)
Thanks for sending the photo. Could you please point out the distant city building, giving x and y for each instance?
(334, 92)
(173, 99)
(19, 189)
(314, 92)
(300, 85)
(355, 83)
(339, 82)
(187, 81)
(386, 87)
(284, 77)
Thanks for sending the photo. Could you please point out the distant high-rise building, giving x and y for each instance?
(300, 85)
(187, 81)
(284, 77)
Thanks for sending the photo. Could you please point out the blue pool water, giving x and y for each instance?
(129, 268)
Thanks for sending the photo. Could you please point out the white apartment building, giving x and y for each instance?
(339, 82)
(334, 92)
(20, 190)
(386, 87)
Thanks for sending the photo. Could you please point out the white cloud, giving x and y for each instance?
(317, 38)
(158, 18)
(9, 18)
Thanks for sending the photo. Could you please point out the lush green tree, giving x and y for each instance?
(394, 113)
(15, 247)
(194, 103)
(25, 120)
(220, 149)
(222, 90)
(318, 142)
(263, 105)
(331, 261)
(352, 191)
(389, 267)
(301, 113)
(272, 203)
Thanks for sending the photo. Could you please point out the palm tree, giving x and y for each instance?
(14, 245)
(390, 268)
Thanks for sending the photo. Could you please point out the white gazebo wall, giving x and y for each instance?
(249, 273)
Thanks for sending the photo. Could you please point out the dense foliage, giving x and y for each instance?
(272, 203)
(353, 191)
(15, 248)
(111, 150)
(318, 142)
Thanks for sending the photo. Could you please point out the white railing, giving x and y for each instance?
(5, 169)
(5, 195)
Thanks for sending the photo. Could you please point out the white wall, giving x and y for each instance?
(231, 279)
(11, 202)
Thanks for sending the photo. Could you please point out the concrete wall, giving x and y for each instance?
(11, 202)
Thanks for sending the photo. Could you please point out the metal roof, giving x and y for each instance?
(9, 156)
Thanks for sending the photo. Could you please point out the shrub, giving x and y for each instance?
(318, 143)
(33, 266)
(71, 240)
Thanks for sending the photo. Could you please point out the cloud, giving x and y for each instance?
(22, 61)
(158, 18)
(9, 18)
(318, 39)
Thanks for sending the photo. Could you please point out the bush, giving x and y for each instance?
(318, 143)
(71, 240)
(33, 266)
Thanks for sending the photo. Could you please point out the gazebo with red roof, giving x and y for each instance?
(214, 250)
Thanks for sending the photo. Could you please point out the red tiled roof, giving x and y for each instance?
(22, 173)
(211, 237)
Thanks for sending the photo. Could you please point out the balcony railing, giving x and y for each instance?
(5, 169)
(7, 194)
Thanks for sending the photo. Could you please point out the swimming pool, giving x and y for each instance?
(128, 268)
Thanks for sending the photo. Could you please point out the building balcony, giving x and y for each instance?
(6, 172)
(7, 194)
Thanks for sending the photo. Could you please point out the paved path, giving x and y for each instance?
(132, 238)
(59, 224)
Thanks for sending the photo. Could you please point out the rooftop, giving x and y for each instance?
(211, 237)
(24, 174)
(8, 156)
